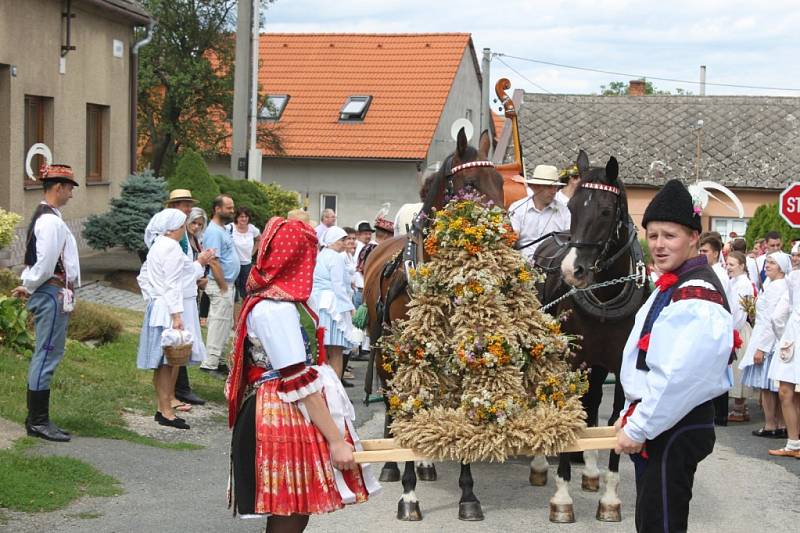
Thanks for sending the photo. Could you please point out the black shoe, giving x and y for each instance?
(223, 368)
(770, 433)
(189, 397)
(361, 357)
(38, 423)
(177, 422)
(346, 384)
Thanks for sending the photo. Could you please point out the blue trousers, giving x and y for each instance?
(50, 325)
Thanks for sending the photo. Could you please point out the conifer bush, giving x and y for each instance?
(192, 173)
(142, 196)
(264, 200)
(765, 219)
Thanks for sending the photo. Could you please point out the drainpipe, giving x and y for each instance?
(134, 89)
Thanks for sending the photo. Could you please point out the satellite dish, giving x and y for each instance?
(37, 149)
(469, 129)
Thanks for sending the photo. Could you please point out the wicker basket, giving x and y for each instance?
(178, 355)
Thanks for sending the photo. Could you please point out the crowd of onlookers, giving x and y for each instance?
(763, 293)
(196, 275)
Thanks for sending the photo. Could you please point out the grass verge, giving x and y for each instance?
(92, 387)
(32, 483)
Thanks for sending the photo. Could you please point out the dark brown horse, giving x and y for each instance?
(602, 246)
(386, 296)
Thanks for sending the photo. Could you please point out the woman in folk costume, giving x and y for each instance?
(292, 448)
(330, 297)
(168, 280)
(785, 366)
(767, 330)
(742, 294)
(674, 364)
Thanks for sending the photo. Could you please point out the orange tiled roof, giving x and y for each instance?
(499, 122)
(408, 76)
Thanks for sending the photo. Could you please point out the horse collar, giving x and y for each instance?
(471, 164)
(601, 187)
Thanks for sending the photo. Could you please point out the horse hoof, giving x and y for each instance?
(538, 479)
(562, 513)
(426, 473)
(389, 475)
(470, 511)
(609, 512)
(590, 484)
(408, 511)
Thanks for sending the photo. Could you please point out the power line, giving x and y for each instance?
(613, 73)
(523, 76)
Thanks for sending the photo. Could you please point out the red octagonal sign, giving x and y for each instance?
(790, 205)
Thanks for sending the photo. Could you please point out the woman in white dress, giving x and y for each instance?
(168, 280)
(785, 367)
(756, 361)
(740, 289)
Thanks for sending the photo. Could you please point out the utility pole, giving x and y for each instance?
(485, 113)
(702, 80)
(245, 155)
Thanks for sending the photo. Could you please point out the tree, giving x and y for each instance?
(186, 81)
(620, 88)
(192, 173)
(142, 196)
(264, 200)
(765, 219)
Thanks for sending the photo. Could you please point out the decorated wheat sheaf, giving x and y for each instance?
(480, 373)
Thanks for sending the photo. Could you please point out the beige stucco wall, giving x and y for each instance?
(639, 197)
(30, 40)
(361, 186)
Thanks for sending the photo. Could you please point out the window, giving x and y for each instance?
(273, 107)
(725, 226)
(95, 142)
(327, 201)
(355, 108)
(38, 129)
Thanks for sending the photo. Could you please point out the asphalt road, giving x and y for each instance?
(738, 489)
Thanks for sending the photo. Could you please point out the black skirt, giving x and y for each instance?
(243, 458)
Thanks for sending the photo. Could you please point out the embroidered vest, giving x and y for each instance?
(701, 272)
(30, 246)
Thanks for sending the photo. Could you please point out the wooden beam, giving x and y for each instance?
(382, 450)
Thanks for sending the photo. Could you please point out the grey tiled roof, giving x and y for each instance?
(130, 9)
(748, 141)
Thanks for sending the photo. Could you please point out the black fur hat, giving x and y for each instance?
(673, 203)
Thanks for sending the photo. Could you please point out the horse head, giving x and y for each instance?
(466, 169)
(599, 211)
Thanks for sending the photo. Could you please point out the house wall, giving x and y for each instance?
(361, 186)
(465, 94)
(30, 40)
(639, 198)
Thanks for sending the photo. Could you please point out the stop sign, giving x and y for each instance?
(789, 205)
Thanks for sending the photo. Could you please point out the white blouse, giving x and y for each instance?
(739, 287)
(766, 330)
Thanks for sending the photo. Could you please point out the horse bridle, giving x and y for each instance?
(414, 241)
(601, 263)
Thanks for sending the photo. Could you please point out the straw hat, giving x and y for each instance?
(180, 195)
(544, 175)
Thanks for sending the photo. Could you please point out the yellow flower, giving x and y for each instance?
(387, 367)
(417, 403)
(424, 271)
(572, 388)
(394, 402)
(524, 276)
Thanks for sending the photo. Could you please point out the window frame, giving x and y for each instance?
(322, 203)
(97, 173)
(278, 110)
(40, 136)
(355, 117)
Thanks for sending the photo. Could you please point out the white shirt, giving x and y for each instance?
(277, 326)
(321, 229)
(53, 238)
(752, 270)
(350, 270)
(724, 279)
(679, 379)
(244, 242)
(739, 287)
(766, 331)
(531, 223)
(167, 277)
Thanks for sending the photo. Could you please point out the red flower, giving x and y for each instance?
(644, 342)
(667, 280)
(737, 340)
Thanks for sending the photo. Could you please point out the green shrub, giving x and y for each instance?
(765, 219)
(264, 200)
(142, 196)
(93, 322)
(8, 281)
(14, 331)
(192, 173)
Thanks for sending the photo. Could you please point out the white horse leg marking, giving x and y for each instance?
(561, 497)
(610, 496)
(539, 463)
(568, 266)
(590, 478)
(409, 497)
(538, 473)
(424, 463)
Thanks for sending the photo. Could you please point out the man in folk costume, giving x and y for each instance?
(674, 364)
(51, 272)
(281, 420)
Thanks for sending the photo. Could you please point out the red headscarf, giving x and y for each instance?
(284, 270)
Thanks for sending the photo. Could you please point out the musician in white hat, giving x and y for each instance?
(540, 212)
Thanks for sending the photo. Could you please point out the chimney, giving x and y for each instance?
(636, 88)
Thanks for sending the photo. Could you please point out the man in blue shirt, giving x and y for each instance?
(220, 288)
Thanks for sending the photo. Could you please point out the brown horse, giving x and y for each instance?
(386, 296)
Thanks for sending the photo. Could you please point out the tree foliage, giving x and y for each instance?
(142, 196)
(765, 219)
(186, 81)
(621, 88)
(264, 200)
(192, 173)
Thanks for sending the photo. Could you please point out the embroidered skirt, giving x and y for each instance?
(757, 376)
(281, 465)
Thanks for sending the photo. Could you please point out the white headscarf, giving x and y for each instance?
(333, 234)
(166, 220)
(784, 261)
(796, 247)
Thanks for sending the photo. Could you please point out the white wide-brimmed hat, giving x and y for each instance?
(544, 175)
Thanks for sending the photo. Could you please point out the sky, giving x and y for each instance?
(754, 42)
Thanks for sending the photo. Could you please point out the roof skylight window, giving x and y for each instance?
(355, 108)
(273, 107)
